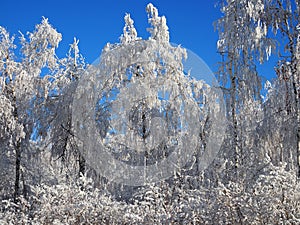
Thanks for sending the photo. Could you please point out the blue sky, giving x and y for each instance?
(95, 23)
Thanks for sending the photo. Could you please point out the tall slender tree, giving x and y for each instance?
(242, 40)
(23, 85)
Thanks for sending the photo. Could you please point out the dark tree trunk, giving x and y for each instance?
(233, 106)
(17, 171)
(81, 165)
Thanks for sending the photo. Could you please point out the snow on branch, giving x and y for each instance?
(159, 30)
(129, 31)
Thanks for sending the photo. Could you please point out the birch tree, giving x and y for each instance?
(242, 41)
(281, 22)
(23, 88)
(58, 104)
(12, 131)
(283, 17)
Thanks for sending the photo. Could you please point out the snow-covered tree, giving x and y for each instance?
(12, 130)
(242, 39)
(283, 18)
(59, 101)
(152, 107)
(22, 85)
(249, 32)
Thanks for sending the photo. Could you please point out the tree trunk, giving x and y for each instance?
(297, 112)
(296, 86)
(17, 170)
(17, 151)
(81, 165)
(295, 60)
(233, 115)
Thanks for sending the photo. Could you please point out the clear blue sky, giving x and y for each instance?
(96, 22)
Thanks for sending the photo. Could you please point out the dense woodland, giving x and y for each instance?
(254, 179)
